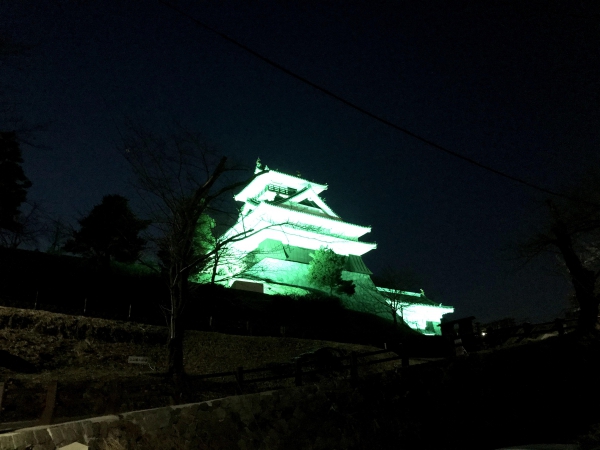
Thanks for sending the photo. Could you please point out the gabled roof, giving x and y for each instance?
(303, 208)
(265, 178)
(310, 194)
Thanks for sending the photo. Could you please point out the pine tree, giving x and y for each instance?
(325, 270)
(109, 231)
(13, 182)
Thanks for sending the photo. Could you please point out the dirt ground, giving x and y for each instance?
(89, 359)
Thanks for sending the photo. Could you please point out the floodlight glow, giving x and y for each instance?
(284, 219)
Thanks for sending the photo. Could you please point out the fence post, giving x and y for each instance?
(37, 293)
(46, 418)
(2, 384)
(353, 367)
(239, 377)
(84, 305)
(560, 326)
(298, 372)
(129, 316)
(404, 355)
(112, 404)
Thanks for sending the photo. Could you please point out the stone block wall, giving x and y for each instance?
(309, 417)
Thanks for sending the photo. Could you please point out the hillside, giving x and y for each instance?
(70, 285)
(534, 392)
(89, 358)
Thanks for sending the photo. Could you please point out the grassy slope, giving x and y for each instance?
(88, 356)
(537, 392)
(66, 284)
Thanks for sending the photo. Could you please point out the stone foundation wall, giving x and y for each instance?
(309, 417)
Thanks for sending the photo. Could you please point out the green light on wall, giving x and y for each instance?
(289, 219)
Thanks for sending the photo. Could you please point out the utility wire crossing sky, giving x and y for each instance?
(513, 87)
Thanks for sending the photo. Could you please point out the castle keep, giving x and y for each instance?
(287, 220)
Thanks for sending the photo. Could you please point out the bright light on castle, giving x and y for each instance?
(284, 220)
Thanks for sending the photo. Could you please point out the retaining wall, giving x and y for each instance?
(324, 416)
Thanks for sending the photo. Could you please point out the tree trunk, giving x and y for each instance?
(583, 280)
(214, 269)
(175, 347)
(178, 292)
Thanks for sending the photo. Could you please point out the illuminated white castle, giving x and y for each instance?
(287, 221)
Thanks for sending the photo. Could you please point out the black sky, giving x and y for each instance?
(514, 85)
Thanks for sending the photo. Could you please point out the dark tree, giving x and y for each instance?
(109, 232)
(325, 270)
(181, 179)
(13, 183)
(31, 226)
(58, 233)
(573, 233)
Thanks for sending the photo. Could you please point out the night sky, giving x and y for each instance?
(513, 85)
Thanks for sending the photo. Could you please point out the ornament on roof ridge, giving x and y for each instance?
(260, 167)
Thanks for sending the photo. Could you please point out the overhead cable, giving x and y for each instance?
(360, 109)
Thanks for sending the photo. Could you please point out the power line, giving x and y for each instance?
(359, 108)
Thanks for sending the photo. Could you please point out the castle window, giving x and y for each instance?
(283, 190)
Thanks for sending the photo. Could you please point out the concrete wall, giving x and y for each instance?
(309, 417)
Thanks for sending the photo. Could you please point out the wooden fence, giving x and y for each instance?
(241, 377)
(493, 337)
